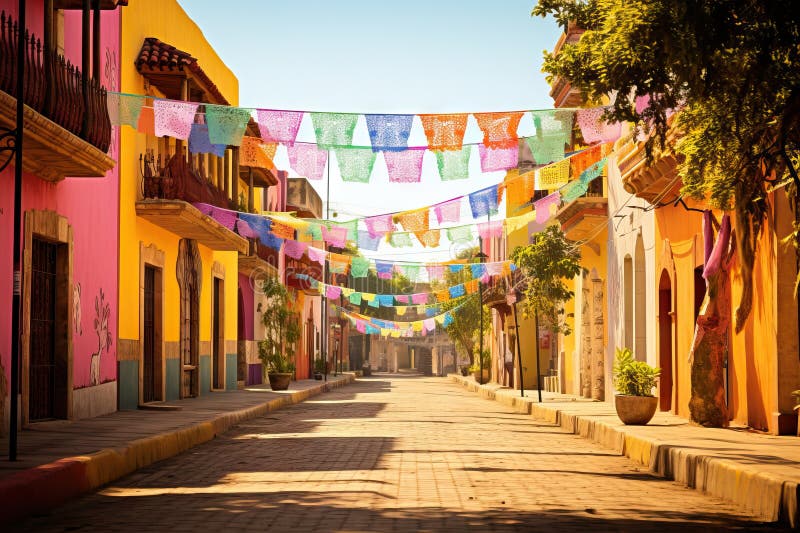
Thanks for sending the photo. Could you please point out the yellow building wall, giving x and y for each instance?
(167, 21)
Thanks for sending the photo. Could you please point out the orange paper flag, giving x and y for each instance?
(499, 129)
(444, 132)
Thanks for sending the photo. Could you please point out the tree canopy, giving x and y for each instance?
(731, 68)
(546, 264)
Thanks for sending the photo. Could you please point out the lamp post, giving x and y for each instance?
(481, 257)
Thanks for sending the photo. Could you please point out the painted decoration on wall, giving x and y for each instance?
(104, 340)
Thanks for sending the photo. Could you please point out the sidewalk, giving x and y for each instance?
(758, 472)
(60, 460)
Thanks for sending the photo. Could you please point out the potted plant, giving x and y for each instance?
(480, 367)
(796, 396)
(281, 332)
(319, 367)
(634, 380)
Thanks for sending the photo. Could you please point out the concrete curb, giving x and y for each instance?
(763, 495)
(46, 486)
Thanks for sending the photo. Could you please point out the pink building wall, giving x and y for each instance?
(91, 207)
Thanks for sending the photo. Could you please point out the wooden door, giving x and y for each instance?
(43, 371)
(217, 337)
(149, 336)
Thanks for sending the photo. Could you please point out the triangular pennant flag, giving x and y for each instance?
(334, 129)
(389, 132)
(355, 164)
(405, 166)
(307, 160)
(173, 119)
(449, 211)
(226, 125)
(484, 202)
(199, 143)
(499, 129)
(495, 159)
(594, 128)
(414, 220)
(553, 133)
(553, 176)
(429, 238)
(444, 132)
(279, 126)
(255, 153)
(453, 164)
(124, 109)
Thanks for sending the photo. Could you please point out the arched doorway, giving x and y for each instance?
(665, 320)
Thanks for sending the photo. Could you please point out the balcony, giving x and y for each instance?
(67, 127)
(260, 261)
(651, 182)
(581, 217)
(494, 295)
(299, 272)
(302, 198)
(168, 193)
(561, 91)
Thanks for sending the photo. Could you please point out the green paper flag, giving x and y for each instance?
(359, 266)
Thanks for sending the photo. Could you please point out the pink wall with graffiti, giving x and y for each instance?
(91, 207)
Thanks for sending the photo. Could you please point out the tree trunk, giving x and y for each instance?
(708, 406)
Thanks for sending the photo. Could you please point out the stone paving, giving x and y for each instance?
(394, 453)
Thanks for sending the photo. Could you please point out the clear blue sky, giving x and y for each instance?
(412, 56)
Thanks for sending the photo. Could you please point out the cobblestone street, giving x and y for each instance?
(394, 453)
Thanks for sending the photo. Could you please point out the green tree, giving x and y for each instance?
(464, 330)
(731, 69)
(546, 264)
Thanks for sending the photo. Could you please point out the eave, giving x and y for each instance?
(580, 218)
(105, 5)
(51, 152)
(252, 264)
(186, 221)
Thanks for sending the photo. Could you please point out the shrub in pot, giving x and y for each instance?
(484, 363)
(634, 381)
(319, 368)
(796, 396)
(281, 332)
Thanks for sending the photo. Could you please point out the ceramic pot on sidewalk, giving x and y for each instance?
(279, 380)
(635, 410)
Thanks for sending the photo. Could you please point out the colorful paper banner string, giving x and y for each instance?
(307, 160)
(499, 129)
(389, 132)
(279, 126)
(405, 166)
(226, 125)
(334, 129)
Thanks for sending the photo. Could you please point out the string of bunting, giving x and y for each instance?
(211, 128)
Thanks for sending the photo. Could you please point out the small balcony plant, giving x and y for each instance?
(634, 381)
(281, 332)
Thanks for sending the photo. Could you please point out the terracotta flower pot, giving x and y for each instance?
(481, 378)
(279, 381)
(635, 410)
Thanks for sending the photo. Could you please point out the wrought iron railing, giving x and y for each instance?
(172, 178)
(54, 87)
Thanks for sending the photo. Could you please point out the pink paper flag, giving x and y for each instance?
(435, 271)
(594, 129)
(224, 217)
(335, 236)
(494, 268)
(294, 249)
(448, 211)
(361, 327)
(173, 119)
(332, 292)
(404, 166)
(279, 126)
(494, 159)
(490, 229)
(430, 324)
(403, 298)
(420, 298)
(308, 160)
(244, 229)
(315, 254)
(543, 206)
(380, 225)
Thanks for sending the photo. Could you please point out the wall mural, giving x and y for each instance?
(102, 312)
(76, 308)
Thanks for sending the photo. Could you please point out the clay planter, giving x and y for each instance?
(318, 376)
(279, 381)
(635, 410)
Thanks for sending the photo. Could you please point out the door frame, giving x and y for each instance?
(218, 313)
(153, 257)
(51, 226)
